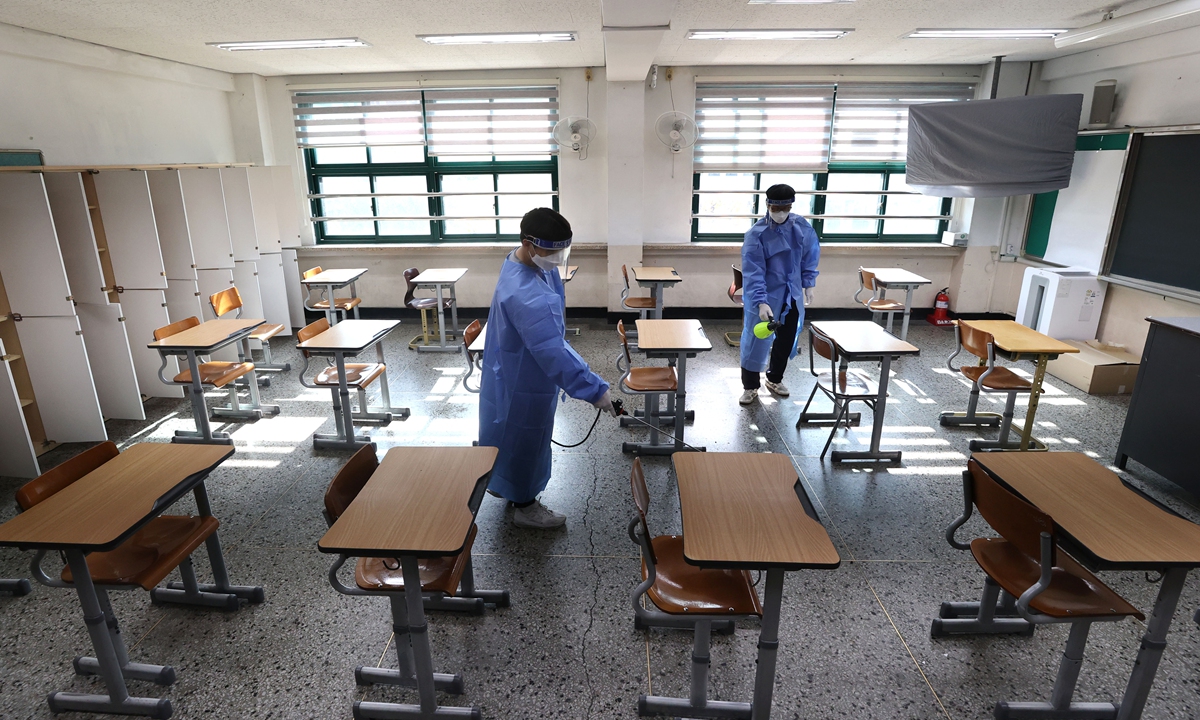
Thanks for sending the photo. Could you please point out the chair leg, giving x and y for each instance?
(700, 663)
(268, 362)
(842, 407)
(1006, 423)
(994, 614)
(1060, 704)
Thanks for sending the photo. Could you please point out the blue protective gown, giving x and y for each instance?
(778, 262)
(526, 360)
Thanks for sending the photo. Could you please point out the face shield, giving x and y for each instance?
(560, 252)
(780, 209)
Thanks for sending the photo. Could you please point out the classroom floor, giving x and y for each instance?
(854, 641)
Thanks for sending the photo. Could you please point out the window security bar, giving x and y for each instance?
(373, 218)
(696, 216)
(431, 194)
(709, 191)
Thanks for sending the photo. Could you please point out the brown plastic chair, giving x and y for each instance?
(648, 381)
(986, 376)
(359, 376)
(217, 374)
(876, 304)
(423, 304)
(340, 305)
(229, 300)
(470, 335)
(842, 384)
(642, 304)
(1029, 581)
(686, 596)
(735, 295)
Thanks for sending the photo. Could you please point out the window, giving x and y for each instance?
(427, 165)
(842, 147)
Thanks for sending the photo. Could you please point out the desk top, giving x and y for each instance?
(1011, 336)
(665, 335)
(440, 276)
(349, 335)
(742, 510)
(1089, 502)
(416, 503)
(897, 276)
(97, 511)
(566, 273)
(336, 276)
(656, 274)
(863, 337)
(480, 341)
(208, 335)
(1189, 325)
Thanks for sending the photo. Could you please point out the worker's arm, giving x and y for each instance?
(754, 271)
(811, 256)
(541, 328)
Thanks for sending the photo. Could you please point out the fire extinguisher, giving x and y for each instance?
(941, 306)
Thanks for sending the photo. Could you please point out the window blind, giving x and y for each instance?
(767, 127)
(358, 117)
(870, 121)
(492, 121)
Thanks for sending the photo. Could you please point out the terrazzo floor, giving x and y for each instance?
(854, 641)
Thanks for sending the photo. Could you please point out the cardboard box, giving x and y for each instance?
(1097, 369)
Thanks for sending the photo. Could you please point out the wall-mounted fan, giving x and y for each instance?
(575, 133)
(676, 130)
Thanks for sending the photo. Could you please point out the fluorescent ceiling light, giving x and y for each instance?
(290, 44)
(986, 33)
(798, 2)
(499, 38)
(1141, 18)
(830, 34)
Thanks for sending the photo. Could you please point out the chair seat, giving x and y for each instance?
(684, 589)
(429, 303)
(148, 557)
(1073, 593)
(437, 574)
(1001, 378)
(849, 384)
(339, 304)
(357, 374)
(648, 379)
(266, 332)
(884, 305)
(639, 303)
(217, 374)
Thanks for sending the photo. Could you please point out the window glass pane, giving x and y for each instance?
(853, 204)
(910, 205)
(399, 206)
(522, 158)
(398, 154)
(540, 184)
(469, 205)
(340, 155)
(347, 207)
(798, 181)
(450, 159)
(717, 203)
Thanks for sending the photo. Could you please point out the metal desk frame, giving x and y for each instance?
(657, 289)
(328, 288)
(455, 332)
(676, 404)
(907, 286)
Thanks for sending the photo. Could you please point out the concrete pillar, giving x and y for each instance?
(625, 120)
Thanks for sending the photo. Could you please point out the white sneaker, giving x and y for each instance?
(748, 397)
(778, 389)
(538, 515)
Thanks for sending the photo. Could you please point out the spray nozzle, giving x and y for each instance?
(764, 330)
(619, 407)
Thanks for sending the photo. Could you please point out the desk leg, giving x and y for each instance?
(454, 313)
(1034, 394)
(331, 311)
(403, 675)
(885, 371)
(768, 645)
(657, 292)
(1153, 644)
(107, 660)
(255, 409)
(345, 439)
(387, 413)
(908, 291)
(441, 317)
(354, 294)
(203, 433)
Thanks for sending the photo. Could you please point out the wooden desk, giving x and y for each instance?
(329, 281)
(420, 502)
(347, 339)
(1015, 342)
(437, 278)
(1108, 526)
(204, 339)
(888, 278)
(858, 341)
(749, 510)
(97, 513)
(675, 340)
(657, 279)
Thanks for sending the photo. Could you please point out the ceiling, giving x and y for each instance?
(178, 30)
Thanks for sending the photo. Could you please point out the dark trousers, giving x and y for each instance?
(781, 347)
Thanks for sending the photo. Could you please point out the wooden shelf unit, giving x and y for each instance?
(89, 191)
(15, 361)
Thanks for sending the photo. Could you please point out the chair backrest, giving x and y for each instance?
(625, 274)
(624, 341)
(471, 333)
(312, 330)
(225, 301)
(175, 328)
(349, 481)
(975, 341)
(736, 285)
(310, 272)
(59, 477)
(641, 500)
(1017, 521)
(823, 345)
(867, 278)
(409, 274)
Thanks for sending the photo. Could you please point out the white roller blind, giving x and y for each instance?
(870, 121)
(767, 127)
(358, 117)
(492, 121)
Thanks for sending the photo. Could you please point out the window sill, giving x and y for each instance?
(487, 248)
(833, 248)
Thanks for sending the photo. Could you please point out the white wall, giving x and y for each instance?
(81, 103)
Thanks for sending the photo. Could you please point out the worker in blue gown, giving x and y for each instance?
(526, 361)
(779, 271)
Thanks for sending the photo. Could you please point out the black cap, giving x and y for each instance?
(546, 229)
(781, 195)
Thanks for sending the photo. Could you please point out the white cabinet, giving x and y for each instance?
(287, 206)
(62, 378)
(145, 311)
(208, 224)
(34, 275)
(170, 217)
(239, 209)
(266, 217)
(183, 300)
(76, 238)
(124, 200)
(295, 291)
(111, 361)
(273, 288)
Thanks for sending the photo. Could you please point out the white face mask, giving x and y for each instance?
(552, 261)
(779, 216)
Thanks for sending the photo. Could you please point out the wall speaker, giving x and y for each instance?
(1104, 96)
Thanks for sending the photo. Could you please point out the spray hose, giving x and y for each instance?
(619, 409)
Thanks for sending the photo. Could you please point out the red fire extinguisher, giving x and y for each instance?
(941, 306)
